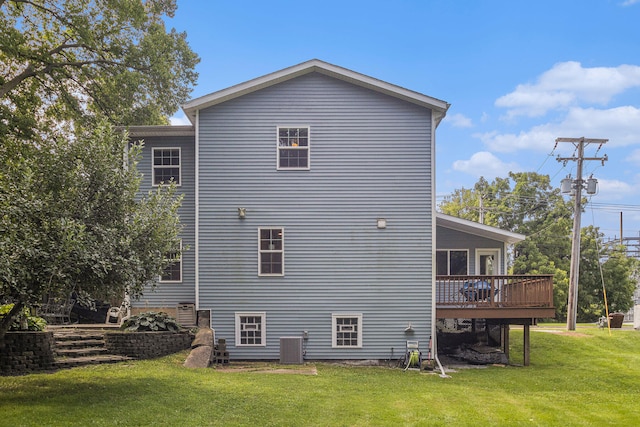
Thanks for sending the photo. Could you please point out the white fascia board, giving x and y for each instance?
(478, 229)
(162, 130)
(439, 107)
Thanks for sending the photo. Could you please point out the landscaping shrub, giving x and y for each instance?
(151, 321)
(25, 321)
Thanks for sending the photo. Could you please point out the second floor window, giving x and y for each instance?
(166, 166)
(293, 148)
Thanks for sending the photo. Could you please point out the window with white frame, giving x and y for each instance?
(271, 252)
(251, 329)
(173, 272)
(293, 148)
(347, 330)
(452, 262)
(166, 166)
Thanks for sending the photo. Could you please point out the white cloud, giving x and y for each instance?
(485, 164)
(614, 190)
(538, 138)
(568, 84)
(634, 157)
(629, 2)
(179, 120)
(458, 120)
(620, 125)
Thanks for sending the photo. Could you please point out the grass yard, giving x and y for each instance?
(575, 379)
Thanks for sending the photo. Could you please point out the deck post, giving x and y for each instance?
(527, 344)
(505, 339)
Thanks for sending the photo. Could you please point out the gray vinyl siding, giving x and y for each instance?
(370, 158)
(454, 239)
(170, 294)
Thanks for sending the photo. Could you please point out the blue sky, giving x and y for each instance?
(518, 75)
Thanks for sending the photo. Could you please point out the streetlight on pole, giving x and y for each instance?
(574, 187)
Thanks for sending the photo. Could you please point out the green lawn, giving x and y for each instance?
(583, 378)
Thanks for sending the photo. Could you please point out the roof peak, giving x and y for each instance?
(315, 65)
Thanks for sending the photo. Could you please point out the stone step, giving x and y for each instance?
(73, 362)
(81, 352)
(91, 342)
(78, 336)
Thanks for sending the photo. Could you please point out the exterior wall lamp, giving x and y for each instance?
(242, 213)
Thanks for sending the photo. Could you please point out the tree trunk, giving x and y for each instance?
(5, 322)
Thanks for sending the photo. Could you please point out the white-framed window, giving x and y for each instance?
(251, 329)
(346, 330)
(166, 166)
(452, 262)
(173, 272)
(293, 148)
(271, 252)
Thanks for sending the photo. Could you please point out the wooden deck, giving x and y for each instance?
(501, 300)
(508, 297)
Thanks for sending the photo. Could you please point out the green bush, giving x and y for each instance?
(151, 321)
(33, 323)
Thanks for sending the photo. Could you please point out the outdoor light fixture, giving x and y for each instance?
(382, 223)
(242, 213)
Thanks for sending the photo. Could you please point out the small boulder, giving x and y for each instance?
(204, 337)
(200, 357)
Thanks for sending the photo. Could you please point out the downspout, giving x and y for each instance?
(434, 334)
(197, 207)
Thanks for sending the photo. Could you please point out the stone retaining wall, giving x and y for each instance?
(147, 345)
(25, 352)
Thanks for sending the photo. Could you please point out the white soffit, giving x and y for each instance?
(477, 229)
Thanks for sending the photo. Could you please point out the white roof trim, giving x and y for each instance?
(478, 229)
(161, 130)
(439, 107)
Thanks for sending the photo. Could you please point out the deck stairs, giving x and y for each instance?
(82, 346)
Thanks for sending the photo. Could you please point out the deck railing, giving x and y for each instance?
(512, 291)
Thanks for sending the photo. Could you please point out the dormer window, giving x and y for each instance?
(293, 148)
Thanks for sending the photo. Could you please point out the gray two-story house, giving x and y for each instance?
(309, 211)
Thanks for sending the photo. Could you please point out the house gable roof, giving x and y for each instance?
(477, 229)
(439, 107)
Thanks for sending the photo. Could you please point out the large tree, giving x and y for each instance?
(64, 61)
(69, 213)
(72, 218)
(526, 203)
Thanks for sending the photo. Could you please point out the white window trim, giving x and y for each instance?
(153, 167)
(334, 334)
(263, 332)
(278, 147)
(489, 251)
(260, 273)
(177, 259)
(448, 251)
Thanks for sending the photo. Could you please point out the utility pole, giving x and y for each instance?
(575, 187)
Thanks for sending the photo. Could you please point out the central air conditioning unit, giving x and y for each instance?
(291, 352)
